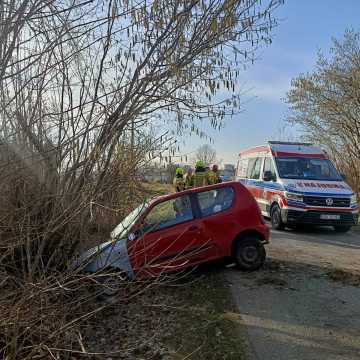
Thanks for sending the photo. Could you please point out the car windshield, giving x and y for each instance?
(307, 169)
(123, 228)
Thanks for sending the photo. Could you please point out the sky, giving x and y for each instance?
(305, 27)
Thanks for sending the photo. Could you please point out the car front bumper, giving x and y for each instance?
(314, 217)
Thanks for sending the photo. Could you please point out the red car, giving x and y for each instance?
(184, 229)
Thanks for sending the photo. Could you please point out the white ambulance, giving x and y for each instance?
(296, 183)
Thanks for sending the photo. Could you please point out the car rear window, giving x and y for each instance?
(215, 201)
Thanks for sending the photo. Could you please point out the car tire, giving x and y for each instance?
(111, 284)
(249, 254)
(342, 229)
(276, 221)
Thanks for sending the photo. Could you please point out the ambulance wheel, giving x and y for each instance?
(342, 229)
(276, 220)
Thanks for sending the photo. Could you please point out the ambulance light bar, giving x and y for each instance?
(289, 143)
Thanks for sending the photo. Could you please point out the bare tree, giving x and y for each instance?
(284, 132)
(325, 104)
(81, 82)
(206, 153)
(77, 77)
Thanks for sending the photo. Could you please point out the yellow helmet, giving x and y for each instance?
(199, 164)
(179, 171)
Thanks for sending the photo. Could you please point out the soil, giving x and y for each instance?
(178, 318)
(305, 303)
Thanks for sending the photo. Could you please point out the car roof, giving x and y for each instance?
(195, 190)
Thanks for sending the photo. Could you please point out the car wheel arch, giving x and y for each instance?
(110, 280)
(249, 233)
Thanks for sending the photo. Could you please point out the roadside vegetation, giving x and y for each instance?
(84, 89)
(325, 103)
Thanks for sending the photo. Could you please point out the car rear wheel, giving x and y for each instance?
(249, 254)
(276, 220)
(342, 229)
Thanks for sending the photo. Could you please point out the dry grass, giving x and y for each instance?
(344, 276)
(202, 331)
(154, 189)
(179, 319)
(45, 309)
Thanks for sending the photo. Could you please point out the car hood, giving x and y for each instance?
(96, 250)
(111, 254)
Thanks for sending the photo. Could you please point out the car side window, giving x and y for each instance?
(215, 201)
(254, 168)
(269, 166)
(168, 213)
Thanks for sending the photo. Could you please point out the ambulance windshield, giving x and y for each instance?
(307, 168)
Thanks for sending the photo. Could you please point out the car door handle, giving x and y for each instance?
(193, 228)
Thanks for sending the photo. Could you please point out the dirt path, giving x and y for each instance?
(292, 309)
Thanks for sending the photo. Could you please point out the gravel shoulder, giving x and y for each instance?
(293, 308)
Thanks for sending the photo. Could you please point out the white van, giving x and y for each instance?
(296, 183)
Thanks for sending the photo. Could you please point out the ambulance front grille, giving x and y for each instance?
(324, 201)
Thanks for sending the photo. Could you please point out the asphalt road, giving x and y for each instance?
(291, 308)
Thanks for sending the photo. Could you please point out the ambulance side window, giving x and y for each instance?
(250, 167)
(269, 166)
(242, 168)
(254, 168)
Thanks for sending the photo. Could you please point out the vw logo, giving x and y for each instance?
(329, 201)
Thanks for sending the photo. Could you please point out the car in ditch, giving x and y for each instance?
(184, 229)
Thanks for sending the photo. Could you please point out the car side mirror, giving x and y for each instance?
(268, 176)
